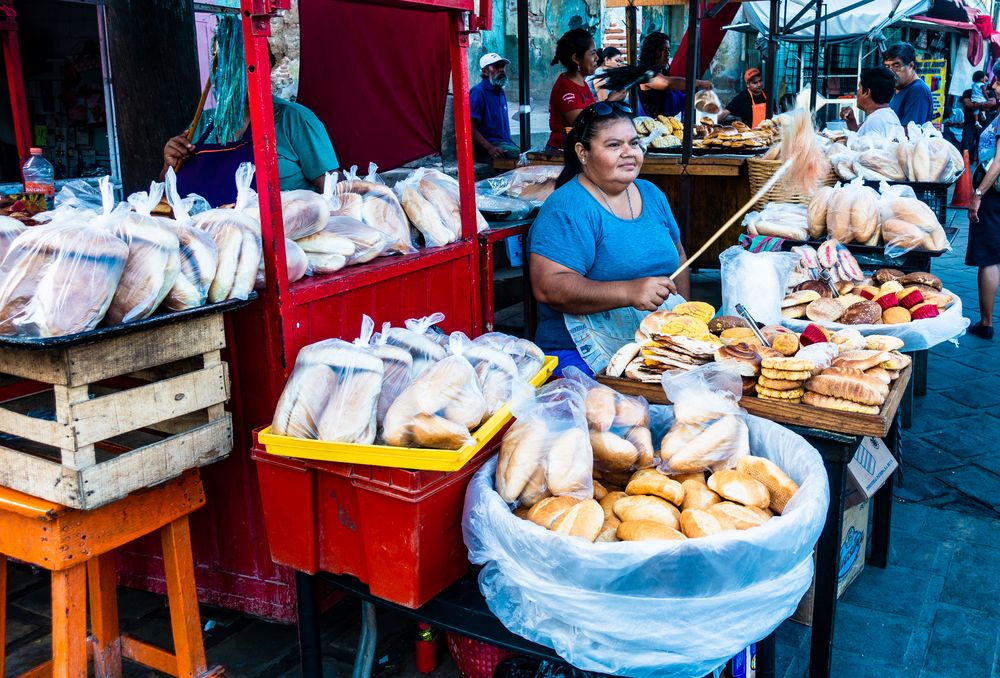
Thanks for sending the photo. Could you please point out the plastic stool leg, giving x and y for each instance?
(104, 617)
(182, 597)
(3, 613)
(69, 622)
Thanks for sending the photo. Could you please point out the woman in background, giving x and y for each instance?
(664, 94)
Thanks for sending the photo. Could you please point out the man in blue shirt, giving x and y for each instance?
(912, 100)
(488, 107)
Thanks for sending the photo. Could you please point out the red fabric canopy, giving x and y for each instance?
(711, 37)
(377, 77)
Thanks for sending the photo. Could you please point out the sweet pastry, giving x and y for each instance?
(695, 309)
(824, 310)
(896, 362)
(738, 334)
(896, 315)
(778, 384)
(786, 375)
(813, 334)
(886, 300)
(909, 297)
(817, 286)
(831, 403)
(857, 389)
(799, 297)
(886, 274)
(743, 357)
(921, 278)
(891, 286)
(862, 313)
(786, 344)
(775, 394)
(861, 360)
(794, 312)
(725, 322)
(883, 342)
(788, 364)
(924, 311)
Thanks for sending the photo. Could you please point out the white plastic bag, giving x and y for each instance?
(779, 220)
(379, 207)
(397, 363)
(546, 451)
(415, 338)
(664, 608)
(524, 353)
(497, 372)
(199, 256)
(908, 223)
(756, 280)
(297, 265)
(303, 212)
(534, 184)
(434, 214)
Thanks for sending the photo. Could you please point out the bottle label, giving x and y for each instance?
(37, 187)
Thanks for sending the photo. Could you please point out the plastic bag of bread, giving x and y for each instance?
(880, 163)
(440, 406)
(707, 101)
(525, 354)
(695, 609)
(756, 280)
(416, 339)
(618, 424)
(303, 212)
(546, 451)
(908, 223)
(379, 206)
(199, 257)
(154, 258)
(497, 372)
(366, 242)
(779, 220)
(709, 430)
(431, 201)
(297, 265)
(237, 237)
(59, 278)
(534, 184)
(819, 204)
(397, 365)
(852, 214)
(331, 394)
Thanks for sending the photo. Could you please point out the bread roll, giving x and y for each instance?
(647, 530)
(583, 520)
(697, 495)
(425, 218)
(779, 486)
(697, 477)
(697, 523)
(647, 507)
(521, 453)
(739, 487)
(816, 212)
(608, 503)
(651, 481)
(609, 530)
(599, 490)
(547, 511)
(600, 408)
(736, 516)
(642, 438)
(728, 436)
(153, 263)
(613, 452)
(569, 468)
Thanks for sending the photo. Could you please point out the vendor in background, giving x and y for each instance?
(973, 109)
(607, 59)
(571, 94)
(305, 154)
(750, 105)
(664, 94)
(912, 101)
(875, 89)
(604, 239)
(488, 110)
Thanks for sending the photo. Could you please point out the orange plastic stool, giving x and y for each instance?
(77, 546)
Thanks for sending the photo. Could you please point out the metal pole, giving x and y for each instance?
(631, 19)
(772, 59)
(109, 99)
(814, 83)
(523, 75)
(693, 71)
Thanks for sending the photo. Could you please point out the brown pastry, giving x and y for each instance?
(921, 278)
(780, 487)
(647, 530)
(881, 384)
(896, 315)
(599, 490)
(799, 297)
(862, 313)
(779, 384)
(855, 389)
(788, 364)
(749, 385)
(725, 322)
(794, 312)
(824, 310)
(771, 331)
(786, 344)
(817, 286)
(860, 360)
(886, 274)
(742, 356)
(830, 403)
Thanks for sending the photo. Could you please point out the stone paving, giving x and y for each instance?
(933, 613)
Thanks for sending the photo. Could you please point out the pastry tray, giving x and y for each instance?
(416, 458)
(797, 414)
(102, 333)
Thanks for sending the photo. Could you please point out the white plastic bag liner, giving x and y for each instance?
(756, 280)
(655, 608)
(917, 335)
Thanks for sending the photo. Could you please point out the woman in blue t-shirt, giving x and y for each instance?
(604, 239)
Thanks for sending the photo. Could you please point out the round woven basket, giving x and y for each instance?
(474, 658)
(761, 170)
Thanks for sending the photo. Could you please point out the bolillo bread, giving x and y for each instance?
(698, 496)
(738, 517)
(647, 530)
(697, 523)
(647, 508)
(583, 520)
(548, 510)
(651, 481)
(779, 486)
(740, 488)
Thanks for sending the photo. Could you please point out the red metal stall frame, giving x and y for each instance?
(15, 78)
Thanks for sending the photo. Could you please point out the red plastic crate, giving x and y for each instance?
(398, 531)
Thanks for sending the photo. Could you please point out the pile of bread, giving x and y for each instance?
(532, 184)
(666, 132)
(924, 156)
(661, 132)
(678, 339)
(888, 297)
(431, 200)
(665, 495)
(405, 386)
(854, 213)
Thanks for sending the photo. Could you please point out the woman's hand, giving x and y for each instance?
(647, 294)
(177, 149)
(974, 208)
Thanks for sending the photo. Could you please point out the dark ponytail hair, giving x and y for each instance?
(573, 43)
(652, 44)
(586, 127)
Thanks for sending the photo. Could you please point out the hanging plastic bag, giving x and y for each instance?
(756, 280)
(237, 237)
(379, 206)
(58, 279)
(397, 363)
(435, 215)
(439, 408)
(618, 424)
(154, 258)
(79, 194)
(199, 257)
(546, 451)
(415, 338)
(695, 608)
(709, 430)
(497, 372)
(524, 353)
(331, 394)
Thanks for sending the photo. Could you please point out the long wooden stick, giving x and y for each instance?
(189, 133)
(739, 213)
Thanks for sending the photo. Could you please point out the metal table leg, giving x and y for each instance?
(766, 658)
(827, 566)
(882, 505)
(919, 375)
(310, 654)
(364, 660)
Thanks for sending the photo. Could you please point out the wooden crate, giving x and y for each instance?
(796, 414)
(94, 422)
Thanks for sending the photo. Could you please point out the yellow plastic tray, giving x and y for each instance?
(416, 458)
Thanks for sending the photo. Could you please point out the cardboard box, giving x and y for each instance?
(853, 543)
(870, 469)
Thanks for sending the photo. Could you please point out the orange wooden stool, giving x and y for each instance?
(79, 545)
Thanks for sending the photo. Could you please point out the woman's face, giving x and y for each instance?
(615, 155)
(587, 64)
(996, 87)
(616, 61)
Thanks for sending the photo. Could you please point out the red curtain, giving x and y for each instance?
(711, 37)
(377, 77)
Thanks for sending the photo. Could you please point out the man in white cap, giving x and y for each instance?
(488, 106)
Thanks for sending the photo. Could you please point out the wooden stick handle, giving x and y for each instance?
(189, 133)
(739, 213)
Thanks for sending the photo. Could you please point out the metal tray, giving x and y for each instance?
(102, 333)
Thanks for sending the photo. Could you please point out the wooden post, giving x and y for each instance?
(3, 613)
(69, 622)
(182, 597)
(104, 616)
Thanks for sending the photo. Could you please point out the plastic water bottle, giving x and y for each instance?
(39, 177)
